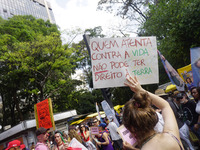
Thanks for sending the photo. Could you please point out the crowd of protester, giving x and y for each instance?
(158, 121)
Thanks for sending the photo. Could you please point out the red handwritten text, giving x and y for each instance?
(108, 76)
(99, 46)
(106, 55)
(99, 67)
(134, 42)
(118, 64)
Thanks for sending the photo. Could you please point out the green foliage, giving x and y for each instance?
(176, 26)
(34, 65)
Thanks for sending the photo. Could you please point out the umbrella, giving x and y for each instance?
(117, 107)
(93, 115)
(170, 87)
(77, 121)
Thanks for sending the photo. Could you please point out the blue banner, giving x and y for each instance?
(172, 74)
(195, 62)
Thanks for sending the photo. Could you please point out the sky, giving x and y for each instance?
(72, 14)
(83, 14)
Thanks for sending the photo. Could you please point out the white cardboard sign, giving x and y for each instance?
(114, 59)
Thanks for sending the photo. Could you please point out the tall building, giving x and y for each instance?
(37, 8)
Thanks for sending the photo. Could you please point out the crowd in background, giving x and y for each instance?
(145, 116)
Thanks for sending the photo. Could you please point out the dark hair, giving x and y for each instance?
(80, 127)
(187, 79)
(138, 117)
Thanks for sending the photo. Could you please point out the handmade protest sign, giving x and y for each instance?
(44, 114)
(114, 59)
(126, 135)
(94, 130)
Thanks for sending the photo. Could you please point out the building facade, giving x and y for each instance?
(37, 8)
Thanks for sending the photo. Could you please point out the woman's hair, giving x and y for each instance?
(73, 134)
(138, 117)
(80, 127)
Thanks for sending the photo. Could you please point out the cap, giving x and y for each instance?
(41, 130)
(22, 146)
(179, 96)
(160, 92)
(102, 125)
(14, 143)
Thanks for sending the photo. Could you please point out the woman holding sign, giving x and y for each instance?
(140, 119)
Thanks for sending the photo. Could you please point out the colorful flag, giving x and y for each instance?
(172, 74)
(44, 114)
(186, 75)
(195, 62)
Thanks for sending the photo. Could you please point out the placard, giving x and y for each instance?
(44, 114)
(114, 59)
(126, 135)
(94, 130)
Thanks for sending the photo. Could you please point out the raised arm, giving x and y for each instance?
(168, 115)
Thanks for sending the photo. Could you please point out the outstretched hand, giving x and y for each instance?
(133, 84)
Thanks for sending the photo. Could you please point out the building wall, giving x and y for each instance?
(37, 8)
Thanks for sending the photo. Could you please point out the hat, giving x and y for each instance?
(14, 143)
(41, 130)
(102, 125)
(160, 92)
(22, 146)
(179, 96)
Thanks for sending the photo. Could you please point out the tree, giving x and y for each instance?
(33, 63)
(176, 26)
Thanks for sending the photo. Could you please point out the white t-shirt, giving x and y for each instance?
(160, 125)
(113, 131)
(198, 107)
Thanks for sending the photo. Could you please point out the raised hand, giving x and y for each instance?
(133, 84)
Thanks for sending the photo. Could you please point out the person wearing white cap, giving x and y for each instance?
(117, 141)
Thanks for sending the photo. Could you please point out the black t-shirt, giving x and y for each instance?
(189, 112)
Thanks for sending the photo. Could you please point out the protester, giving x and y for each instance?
(42, 137)
(196, 94)
(86, 137)
(104, 140)
(32, 146)
(14, 145)
(140, 119)
(60, 143)
(73, 134)
(116, 139)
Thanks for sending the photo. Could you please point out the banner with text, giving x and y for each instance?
(114, 59)
(44, 114)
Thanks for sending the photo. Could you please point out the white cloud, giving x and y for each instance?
(70, 14)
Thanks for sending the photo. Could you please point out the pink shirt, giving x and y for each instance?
(41, 146)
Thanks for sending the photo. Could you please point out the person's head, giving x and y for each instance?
(96, 122)
(82, 128)
(182, 98)
(102, 126)
(188, 80)
(138, 117)
(195, 91)
(14, 145)
(42, 134)
(57, 137)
